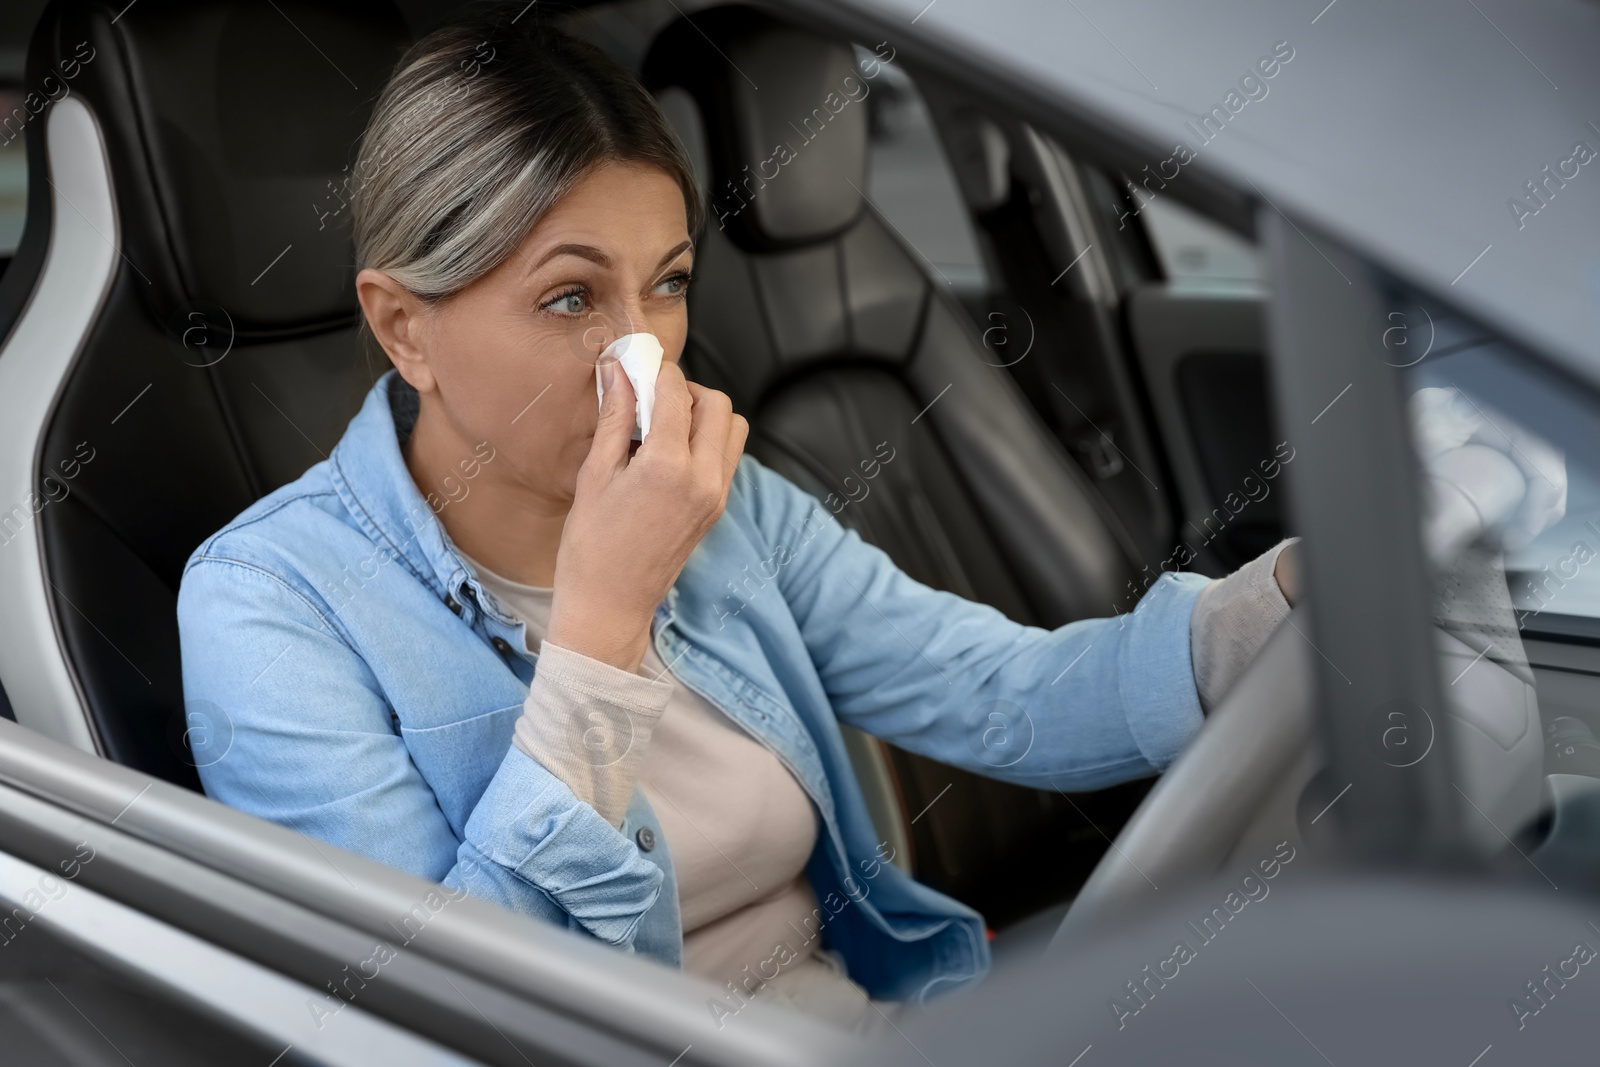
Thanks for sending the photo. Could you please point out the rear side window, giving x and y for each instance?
(910, 183)
(13, 177)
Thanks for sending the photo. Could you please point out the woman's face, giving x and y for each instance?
(511, 358)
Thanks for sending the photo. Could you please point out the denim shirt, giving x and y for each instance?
(365, 688)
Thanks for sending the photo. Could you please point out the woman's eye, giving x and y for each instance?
(567, 303)
(673, 286)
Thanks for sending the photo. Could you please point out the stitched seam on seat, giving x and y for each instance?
(752, 273)
(168, 227)
(110, 530)
(844, 294)
(235, 430)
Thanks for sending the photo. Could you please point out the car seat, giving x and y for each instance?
(180, 329)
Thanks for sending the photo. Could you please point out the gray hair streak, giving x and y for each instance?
(482, 129)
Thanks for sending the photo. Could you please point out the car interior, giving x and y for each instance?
(1105, 343)
(824, 322)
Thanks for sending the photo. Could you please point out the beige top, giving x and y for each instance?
(739, 825)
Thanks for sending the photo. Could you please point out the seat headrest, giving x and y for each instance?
(786, 116)
(231, 131)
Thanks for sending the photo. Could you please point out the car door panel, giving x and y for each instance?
(1201, 354)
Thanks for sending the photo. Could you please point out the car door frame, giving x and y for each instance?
(467, 975)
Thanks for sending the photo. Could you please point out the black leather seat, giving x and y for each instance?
(820, 323)
(224, 358)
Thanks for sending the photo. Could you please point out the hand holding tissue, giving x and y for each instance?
(639, 355)
(637, 515)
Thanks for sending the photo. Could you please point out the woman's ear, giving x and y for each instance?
(397, 318)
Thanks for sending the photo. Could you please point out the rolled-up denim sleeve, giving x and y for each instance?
(313, 748)
(1083, 706)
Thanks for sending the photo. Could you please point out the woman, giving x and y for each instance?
(672, 779)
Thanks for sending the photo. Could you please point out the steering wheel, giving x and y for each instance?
(1195, 814)
(1257, 750)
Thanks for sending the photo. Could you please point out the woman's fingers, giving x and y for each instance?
(738, 433)
(632, 526)
(614, 429)
(698, 425)
(719, 433)
(671, 422)
(708, 440)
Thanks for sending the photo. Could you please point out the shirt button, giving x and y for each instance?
(646, 838)
(450, 602)
(501, 645)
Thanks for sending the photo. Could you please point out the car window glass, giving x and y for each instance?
(1551, 573)
(13, 178)
(910, 183)
(1543, 492)
(1194, 250)
(1509, 457)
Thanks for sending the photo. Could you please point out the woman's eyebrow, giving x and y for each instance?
(594, 255)
(674, 254)
(589, 252)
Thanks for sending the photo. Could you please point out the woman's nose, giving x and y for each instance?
(609, 323)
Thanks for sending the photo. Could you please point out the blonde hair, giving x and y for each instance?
(483, 127)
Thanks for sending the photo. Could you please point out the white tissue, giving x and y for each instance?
(639, 355)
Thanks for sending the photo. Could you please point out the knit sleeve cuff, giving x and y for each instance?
(589, 723)
(1232, 620)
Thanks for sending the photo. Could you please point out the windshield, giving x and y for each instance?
(1511, 500)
